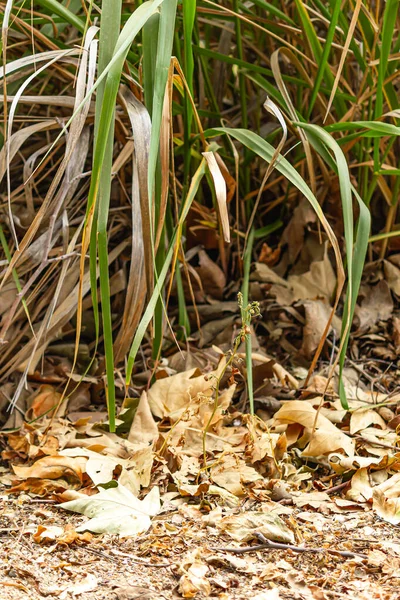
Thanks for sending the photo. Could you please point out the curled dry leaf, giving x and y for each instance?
(220, 192)
(52, 533)
(87, 584)
(189, 392)
(363, 417)
(170, 397)
(186, 478)
(342, 464)
(361, 489)
(386, 508)
(325, 438)
(54, 467)
(232, 473)
(318, 282)
(101, 468)
(317, 314)
(211, 276)
(44, 402)
(392, 276)
(376, 306)
(194, 581)
(243, 527)
(144, 428)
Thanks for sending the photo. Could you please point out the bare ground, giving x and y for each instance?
(151, 566)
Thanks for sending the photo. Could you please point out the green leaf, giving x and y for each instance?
(323, 143)
(376, 127)
(148, 314)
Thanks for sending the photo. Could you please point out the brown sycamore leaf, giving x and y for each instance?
(54, 467)
(171, 396)
(186, 478)
(44, 402)
(325, 438)
(232, 473)
(52, 533)
(376, 306)
(143, 429)
(318, 282)
(242, 527)
(386, 508)
(194, 580)
(363, 417)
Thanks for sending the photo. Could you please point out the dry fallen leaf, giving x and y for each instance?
(392, 276)
(44, 402)
(171, 396)
(88, 584)
(51, 533)
(376, 306)
(144, 428)
(317, 314)
(211, 278)
(54, 467)
(186, 478)
(363, 417)
(361, 489)
(386, 508)
(243, 527)
(318, 282)
(232, 473)
(194, 581)
(116, 510)
(325, 439)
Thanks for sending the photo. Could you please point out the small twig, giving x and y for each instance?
(336, 488)
(267, 544)
(376, 442)
(138, 560)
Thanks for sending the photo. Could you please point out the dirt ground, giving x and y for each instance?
(152, 566)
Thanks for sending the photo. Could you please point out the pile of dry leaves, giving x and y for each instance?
(301, 460)
(301, 500)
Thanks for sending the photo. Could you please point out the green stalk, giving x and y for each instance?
(184, 322)
(245, 291)
(323, 64)
(243, 100)
(104, 133)
(109, 32)
(389, 21)
(57, 8)
(189, 13)
(162, 62)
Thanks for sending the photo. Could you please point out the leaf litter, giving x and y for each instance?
(308, 476)
(300, 501)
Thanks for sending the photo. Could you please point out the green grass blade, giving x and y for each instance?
(164, 53)
(389, 22)
(323, 63)
(262, 148)
(57, 8)
(149, 312)
(103, 145)
(245, 291)
(189, 14)
(375, 127)
(322, 141)
(109, 32)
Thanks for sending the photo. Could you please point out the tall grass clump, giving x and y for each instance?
(129, 126)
